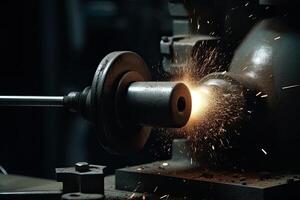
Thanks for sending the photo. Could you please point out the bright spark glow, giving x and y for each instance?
(277, 38)
(264, 96)
(264, 151)
(289, 87)
(164, 196)
(199, 101)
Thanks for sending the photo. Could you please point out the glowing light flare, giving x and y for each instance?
(200, 100)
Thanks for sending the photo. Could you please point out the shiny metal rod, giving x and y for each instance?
(32, 101)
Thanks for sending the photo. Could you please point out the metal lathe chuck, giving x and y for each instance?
(122, 102)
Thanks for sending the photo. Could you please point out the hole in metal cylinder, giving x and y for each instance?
(181, 104)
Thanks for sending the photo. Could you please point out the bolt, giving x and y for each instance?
(82, 167)
(165, 38)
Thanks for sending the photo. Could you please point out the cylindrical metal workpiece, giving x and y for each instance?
(159, 104)
(41, 101)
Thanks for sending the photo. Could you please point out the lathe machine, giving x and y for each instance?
(232, 99)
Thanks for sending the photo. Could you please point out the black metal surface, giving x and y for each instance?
(82, 196)
(20, 187)
(15, 187)
(268, 61)
(176, 180)
(178, 51)
(43, 101)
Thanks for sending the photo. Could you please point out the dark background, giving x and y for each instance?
(52, 47)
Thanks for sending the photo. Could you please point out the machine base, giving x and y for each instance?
(173, 179)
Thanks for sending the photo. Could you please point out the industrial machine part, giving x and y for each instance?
(214, 27)
(122, 102)
(262, 79)
(84, 181)
(262, 84)
(195, 24)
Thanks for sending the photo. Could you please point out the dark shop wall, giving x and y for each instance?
(51, 47)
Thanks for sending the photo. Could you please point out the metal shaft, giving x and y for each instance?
(159, 104)
(32, 101)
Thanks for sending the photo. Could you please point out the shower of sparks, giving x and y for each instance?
(259, 93)
(244, 68)
(264, 151)
(277, 38)
(290, 87)
(131, 197)
(213, 111)
(264, 96)
(164, 196)
(215, 114)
